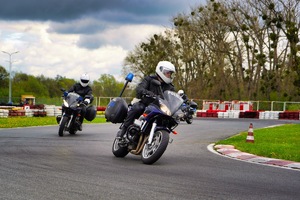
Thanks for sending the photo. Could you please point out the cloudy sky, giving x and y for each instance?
(71, 37)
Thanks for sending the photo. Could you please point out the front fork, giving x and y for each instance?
(70, 121)
(153, 128)
(152, 132)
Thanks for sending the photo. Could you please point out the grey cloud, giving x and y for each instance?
(43, 10)
(100, 22)
(90, 42)
(80, 26)
(64, 10)
(90, 17)
(124, 36)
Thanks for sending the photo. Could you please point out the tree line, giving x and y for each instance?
(229, 49)
(43, 87)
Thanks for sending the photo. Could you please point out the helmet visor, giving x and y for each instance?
(84, 81)
(168, 73)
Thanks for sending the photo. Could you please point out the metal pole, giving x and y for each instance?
(10, 66)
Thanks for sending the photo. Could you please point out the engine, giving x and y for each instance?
(133, 133)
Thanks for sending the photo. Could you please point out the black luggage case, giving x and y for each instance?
(116, 110)
(91, 112)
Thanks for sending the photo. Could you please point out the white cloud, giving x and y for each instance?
(126, 36)
(48, 53)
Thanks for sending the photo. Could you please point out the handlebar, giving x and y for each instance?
(150, 96)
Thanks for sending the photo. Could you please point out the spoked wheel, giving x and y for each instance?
(62, 125)
(118, 150)
(152, 152)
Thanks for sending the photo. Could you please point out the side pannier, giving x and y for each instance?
(116, 110)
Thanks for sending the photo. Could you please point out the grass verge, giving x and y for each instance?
(280, 142)
(12, 122)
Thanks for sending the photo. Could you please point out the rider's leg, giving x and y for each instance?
(135, 112)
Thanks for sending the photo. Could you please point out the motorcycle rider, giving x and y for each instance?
(183, 96)
(147, 89)
(85, 91)
(185, 99)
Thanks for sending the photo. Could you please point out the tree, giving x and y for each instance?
(284, 16)
(28, 84)
(231, 49)
(204, 45)
(144, 58)
(107, 86)
(4, 75)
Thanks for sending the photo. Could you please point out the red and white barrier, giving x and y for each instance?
(241, 109)
(295, 115)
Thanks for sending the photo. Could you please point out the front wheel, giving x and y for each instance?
(62, 126)
(118, 150)
(73, 128)
(152, 152)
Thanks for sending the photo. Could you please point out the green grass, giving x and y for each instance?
(281, 142)
(12, 122)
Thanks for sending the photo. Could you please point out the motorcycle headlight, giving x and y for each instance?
(165, 109)
(66, 103)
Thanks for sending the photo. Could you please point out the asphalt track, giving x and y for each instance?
(37, 164)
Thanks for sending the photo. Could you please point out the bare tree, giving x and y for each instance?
(230, 49)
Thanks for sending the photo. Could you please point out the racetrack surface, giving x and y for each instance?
(35, 163)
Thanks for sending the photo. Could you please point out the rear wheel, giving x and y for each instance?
(152, 152)
(118, 150)
(73, 130)
(62, 126)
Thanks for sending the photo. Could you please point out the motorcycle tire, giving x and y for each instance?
(73, 128)
(189, 120)
(62, 126)
(118, 151)
(152, 152)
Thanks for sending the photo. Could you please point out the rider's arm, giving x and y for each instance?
(72, 89)
(142, 87)
(88, 95)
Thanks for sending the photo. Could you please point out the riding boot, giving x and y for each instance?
(80, 123)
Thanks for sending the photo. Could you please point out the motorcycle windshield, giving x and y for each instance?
(72, 99)
(172, 100)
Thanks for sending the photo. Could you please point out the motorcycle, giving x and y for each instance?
(71, 111)
(149, 135)
(187, 111)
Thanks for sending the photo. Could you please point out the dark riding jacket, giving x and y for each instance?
(84, 92)
(147, 87)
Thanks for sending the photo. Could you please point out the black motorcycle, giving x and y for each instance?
(72, 107)
(148, 136)
(187, 111)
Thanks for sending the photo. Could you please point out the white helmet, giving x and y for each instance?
(163, 68)
(84, 80)
(180, 92)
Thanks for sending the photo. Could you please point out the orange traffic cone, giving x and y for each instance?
(250, 136)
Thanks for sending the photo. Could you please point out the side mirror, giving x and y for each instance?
(129, 77)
